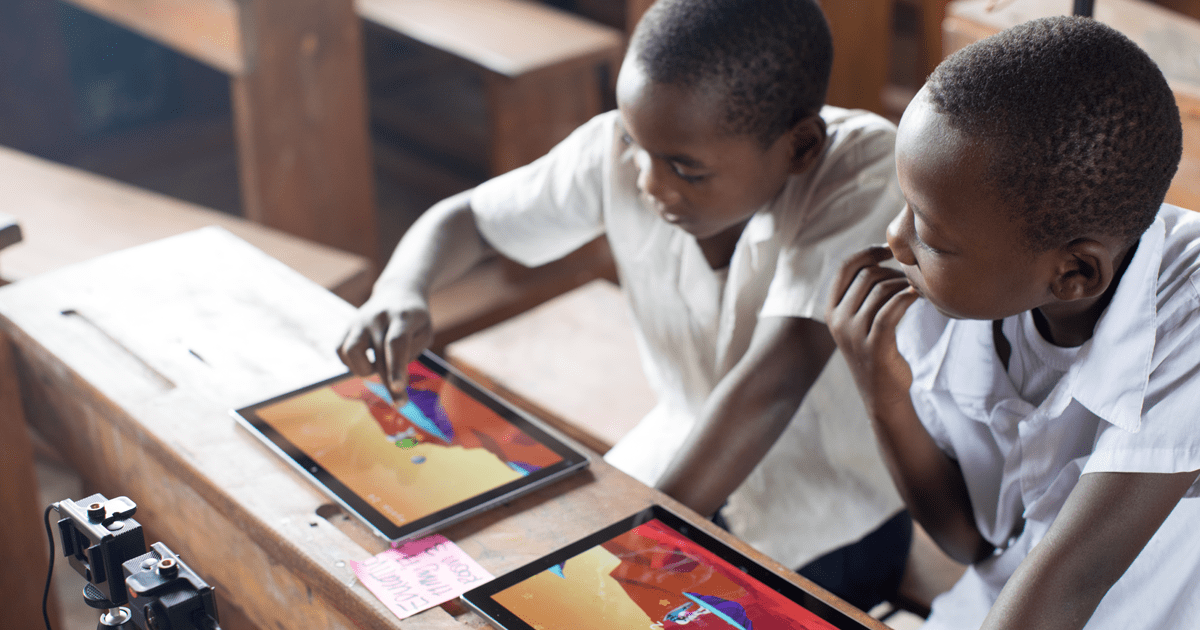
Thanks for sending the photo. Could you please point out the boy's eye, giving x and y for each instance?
(926, 246)
(683, 174)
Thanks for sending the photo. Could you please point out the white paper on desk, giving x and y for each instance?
(420, 574)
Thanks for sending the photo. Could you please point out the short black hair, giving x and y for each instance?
(768, 60)
(1084, 129)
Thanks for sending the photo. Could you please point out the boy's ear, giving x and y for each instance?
(808, 142)
(1085, 269)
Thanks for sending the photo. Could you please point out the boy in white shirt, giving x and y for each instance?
(729, 195)
(1037, 404)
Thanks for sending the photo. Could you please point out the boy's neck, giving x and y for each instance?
(718, 249)
(1071, 324)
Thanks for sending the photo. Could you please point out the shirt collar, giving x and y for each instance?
(1113, 369)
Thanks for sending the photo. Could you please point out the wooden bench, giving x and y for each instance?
(545, 71)
(299, 104)
(68, 216)
(1171, 39)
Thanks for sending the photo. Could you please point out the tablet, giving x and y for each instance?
(451, 451)
(652, 570)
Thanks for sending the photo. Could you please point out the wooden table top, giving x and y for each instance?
(132, 362)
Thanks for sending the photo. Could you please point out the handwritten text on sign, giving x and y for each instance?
(420, 575)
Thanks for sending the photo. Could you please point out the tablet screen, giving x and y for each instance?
(450, 449)
(653, 571)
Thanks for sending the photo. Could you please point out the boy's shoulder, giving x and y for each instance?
(856, 139)
(1179, 267)
(840, 121)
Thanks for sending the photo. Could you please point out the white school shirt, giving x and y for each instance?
(1128, 401)
(823, 484)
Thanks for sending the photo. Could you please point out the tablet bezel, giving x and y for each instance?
(481, 601)
(573, 458)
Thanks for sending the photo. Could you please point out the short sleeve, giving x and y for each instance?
(851, 198)
(547, 209)
(1168, 439)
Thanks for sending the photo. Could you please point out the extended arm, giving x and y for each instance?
(1103, 526)
(866, 304)
(394, 324)
(748, 410)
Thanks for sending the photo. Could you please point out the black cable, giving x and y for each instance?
(50, 570)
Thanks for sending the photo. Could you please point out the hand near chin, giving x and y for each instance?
(866, 304)
(388, 332)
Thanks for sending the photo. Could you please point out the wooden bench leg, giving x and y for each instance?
(23, 544)
(301, 121)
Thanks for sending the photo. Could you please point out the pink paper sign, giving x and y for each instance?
(420, 574)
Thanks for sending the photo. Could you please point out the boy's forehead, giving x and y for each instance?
(930, 151)
(925, 133)
(695, 111)
(634, 82)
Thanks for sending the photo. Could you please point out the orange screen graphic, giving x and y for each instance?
(441, 448)
(651, 578)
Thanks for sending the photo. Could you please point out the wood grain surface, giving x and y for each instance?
(23, 546)
(130, 363)
(68, 215)
(300, 119)
(206, 30)
(508, 37)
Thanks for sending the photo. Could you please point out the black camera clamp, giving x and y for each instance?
(133, 588)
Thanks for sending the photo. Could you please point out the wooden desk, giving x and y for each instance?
(131, 362)
(23, 543)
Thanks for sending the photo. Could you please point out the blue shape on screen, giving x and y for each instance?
(425, 412)
(523, 468)
(379, 390)
(730, 612)
(558, 570)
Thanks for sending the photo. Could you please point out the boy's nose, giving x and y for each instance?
(652, 181)
(899, 235)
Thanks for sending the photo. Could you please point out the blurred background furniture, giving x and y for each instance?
(1171, 38)
(68, 216)
(298, 98)
(545, 71)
